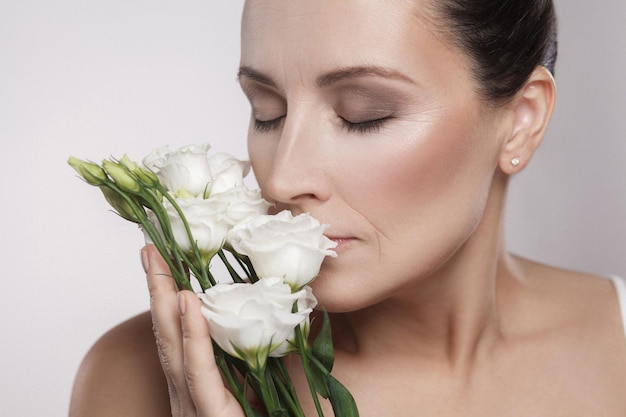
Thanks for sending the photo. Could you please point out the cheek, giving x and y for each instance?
(261, 153)
(422, 196)
(430, 171)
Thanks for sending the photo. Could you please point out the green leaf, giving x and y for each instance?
(340, 398)
(320, 380)
(323, 345)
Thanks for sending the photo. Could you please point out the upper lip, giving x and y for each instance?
(333, 237)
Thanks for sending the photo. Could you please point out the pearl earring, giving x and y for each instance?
(515, 161)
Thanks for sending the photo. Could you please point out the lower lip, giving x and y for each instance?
(342, 243)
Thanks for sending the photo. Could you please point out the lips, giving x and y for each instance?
(341, 241)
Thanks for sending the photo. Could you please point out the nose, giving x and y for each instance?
(300, 173)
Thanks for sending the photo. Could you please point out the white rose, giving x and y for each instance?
(307, 302)
(243, 204)
(206, 223)
(185, 172)
(283, 246)
(155, 159)
(250, 321)
(228, 172)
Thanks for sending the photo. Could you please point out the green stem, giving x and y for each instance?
(174, 251)
(211, 278)
(285, 386)
(238, 257)
(286, 396)
(178, 271)
(233, 274)
(319, 365)
(269, 395)
(236, 388)
(203, 276)
(303, 348)
(251, 273)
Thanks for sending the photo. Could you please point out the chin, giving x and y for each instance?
(337, 294)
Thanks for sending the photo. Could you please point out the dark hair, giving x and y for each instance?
(506, 40)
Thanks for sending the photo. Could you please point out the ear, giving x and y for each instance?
(531, 109)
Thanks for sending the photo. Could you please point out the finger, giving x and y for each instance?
(166, 327)
(204, 379)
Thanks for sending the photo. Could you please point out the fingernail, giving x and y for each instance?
(145, 262)
(182, 307)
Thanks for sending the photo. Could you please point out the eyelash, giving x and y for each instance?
(369, 126)
(267, 125)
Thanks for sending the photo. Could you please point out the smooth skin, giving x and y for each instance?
(367, 117)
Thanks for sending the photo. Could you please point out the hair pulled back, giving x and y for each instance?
(505, 39)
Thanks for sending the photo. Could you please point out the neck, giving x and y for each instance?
(450, 316)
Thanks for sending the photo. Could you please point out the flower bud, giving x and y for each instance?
(90, 172)
(122, 176)
(128, 163)
(121, 206)
(146, 176)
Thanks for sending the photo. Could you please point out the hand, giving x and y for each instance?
(194, 381)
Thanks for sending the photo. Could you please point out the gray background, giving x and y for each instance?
(94, 78)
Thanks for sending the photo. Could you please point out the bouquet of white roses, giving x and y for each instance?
(194, 209)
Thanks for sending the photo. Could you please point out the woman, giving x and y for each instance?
(399, 124)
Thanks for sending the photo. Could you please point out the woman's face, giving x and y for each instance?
(365, 118)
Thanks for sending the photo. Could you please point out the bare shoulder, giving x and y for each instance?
(121, 374)
(568, 299)
(575, 294)
(581, 308)
(568, 330)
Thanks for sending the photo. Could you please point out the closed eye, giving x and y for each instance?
(268, 125)
(368, 126)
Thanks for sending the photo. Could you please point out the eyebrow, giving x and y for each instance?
(331, 77)
(255, 75)
(341, 74)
